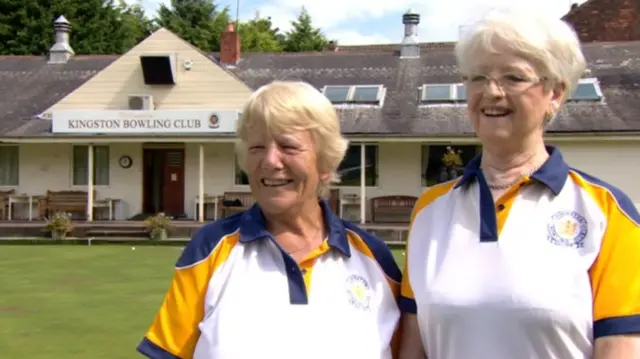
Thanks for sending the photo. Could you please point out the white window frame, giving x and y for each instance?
(84, 181)
(352, 90)
(17, 176)
(453, 94)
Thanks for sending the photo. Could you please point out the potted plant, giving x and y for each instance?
(452, 161)
(158, 226)
(59, 225)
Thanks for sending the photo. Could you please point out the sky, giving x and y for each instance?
(357, 22)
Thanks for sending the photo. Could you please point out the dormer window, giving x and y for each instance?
(587, 90)
(355, 94)
(442, 93)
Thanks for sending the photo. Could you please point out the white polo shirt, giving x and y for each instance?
(237, 295)
(552, 265)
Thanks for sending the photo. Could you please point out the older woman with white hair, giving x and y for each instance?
(523, 256)
(286, 278)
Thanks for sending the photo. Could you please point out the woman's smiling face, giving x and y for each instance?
(507, 98)
(282, 169)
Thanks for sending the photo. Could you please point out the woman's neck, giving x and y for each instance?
(299, 221)
(505, 166)
(298, 233)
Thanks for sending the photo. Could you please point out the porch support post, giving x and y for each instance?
(201, 183)
(363, 185)
(90, 165)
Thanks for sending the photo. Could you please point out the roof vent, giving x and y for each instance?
(61, 50)
(410, 47)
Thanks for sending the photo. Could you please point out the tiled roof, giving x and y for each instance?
(29, 86)
(616, 65)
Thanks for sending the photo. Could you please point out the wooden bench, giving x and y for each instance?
(64, 201)
(392, 209)
(234, 202)
(4, 202)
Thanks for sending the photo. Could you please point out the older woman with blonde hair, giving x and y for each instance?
(286, 278)
(523, 256)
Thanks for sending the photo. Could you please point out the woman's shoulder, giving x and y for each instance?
(377, 247)
(370, 239)
(432, 193)
(605, 194)
(206, 238)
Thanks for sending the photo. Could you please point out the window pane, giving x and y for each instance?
(349, 170)
(336, 94)
(80, 161)
(241, 178)
(366, 94)
(424, 162)
(461, 93)
(437, 92)
(101, 165)
(371, 170)
(433, 169)
(9, 165)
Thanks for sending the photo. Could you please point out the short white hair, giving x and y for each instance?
(550, 44)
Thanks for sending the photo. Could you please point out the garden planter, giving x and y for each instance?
(159, 234)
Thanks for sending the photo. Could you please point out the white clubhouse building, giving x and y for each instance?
(153, 130)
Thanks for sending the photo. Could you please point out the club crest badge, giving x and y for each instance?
(567, 229)
(358, 292)
(214, 122)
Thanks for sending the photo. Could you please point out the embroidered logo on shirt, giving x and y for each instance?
(358, 292)
(567, 229)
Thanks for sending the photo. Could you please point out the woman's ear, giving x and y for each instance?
(557, 96)
(325, 177)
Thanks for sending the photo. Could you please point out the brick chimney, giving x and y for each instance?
(605, 20)
(230, 45)
(61, 50)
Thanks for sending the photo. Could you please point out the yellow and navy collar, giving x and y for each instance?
(553, 173)
(253, 227)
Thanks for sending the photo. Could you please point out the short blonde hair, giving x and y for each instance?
(286, 106)
(549, 43)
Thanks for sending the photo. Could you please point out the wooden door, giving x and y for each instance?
(173, 188)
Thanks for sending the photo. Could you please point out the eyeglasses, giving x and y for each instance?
(508, 82)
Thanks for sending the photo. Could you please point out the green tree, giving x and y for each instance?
(303, 36)
(196, 21)
(135, 23)
(26, 26)
(259, 35)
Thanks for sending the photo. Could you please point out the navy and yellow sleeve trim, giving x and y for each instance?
(151, 350)
(615, 273)
(174, 331)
